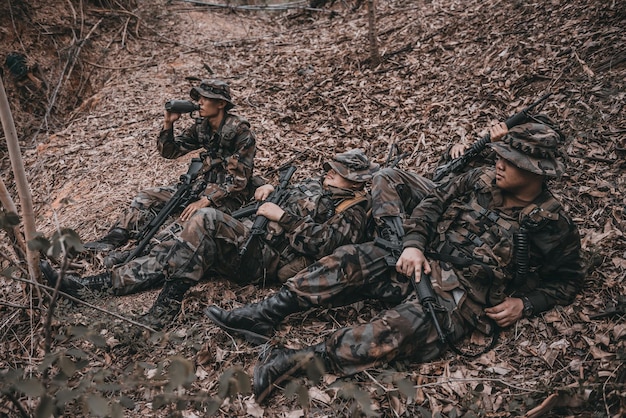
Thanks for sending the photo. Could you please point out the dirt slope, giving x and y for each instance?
(305, 81)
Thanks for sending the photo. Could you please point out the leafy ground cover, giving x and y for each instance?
(88, 112)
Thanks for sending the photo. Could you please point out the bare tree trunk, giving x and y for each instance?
(371, 14)
(23, 188)
(15, 234)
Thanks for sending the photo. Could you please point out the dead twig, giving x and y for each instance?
(65, 74)
(82, 302)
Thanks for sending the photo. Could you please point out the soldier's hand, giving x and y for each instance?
(497, 131)
(263, 192)
(412, 260)
(193, 207)
(507, 312)
(457, 150)
(271, 211)
(169, 118)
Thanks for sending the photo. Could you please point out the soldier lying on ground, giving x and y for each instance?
(466, 236)
(228, 163)
(317, 217)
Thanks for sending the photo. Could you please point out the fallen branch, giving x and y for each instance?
(67, 69)
(82, 302)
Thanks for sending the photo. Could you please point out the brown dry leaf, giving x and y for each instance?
(253, 409)
(301, 79)
(315, 393)
(619, 262)
(619, 331)
(396, 404)
(599, 354)
(205, 357)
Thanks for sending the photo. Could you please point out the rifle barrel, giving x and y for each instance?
(183, 194)
(460, 162)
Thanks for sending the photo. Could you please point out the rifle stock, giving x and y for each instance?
(260, 222)
(459, 163)
(182, 197)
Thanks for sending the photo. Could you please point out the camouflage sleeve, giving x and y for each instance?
(318, 240)
(171, 147)
(562, 270)
(422, 224)
(239, 166)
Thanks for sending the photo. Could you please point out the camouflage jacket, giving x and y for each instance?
(229, 160)
(464, 225)
(316, 221)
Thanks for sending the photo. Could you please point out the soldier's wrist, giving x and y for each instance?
(529, 308)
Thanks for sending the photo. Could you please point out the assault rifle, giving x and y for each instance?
(426, 295)
(260, 222)
(184, 195)
(394, 156)
(246, 211)
(458, 164)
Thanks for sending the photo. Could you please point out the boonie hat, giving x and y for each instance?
(353, 165)
(213, 89)
(532, 147)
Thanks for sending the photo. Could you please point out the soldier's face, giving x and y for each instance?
(333, 179)
(210, 108)
(511, 178)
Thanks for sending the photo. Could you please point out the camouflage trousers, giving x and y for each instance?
(396, 192)
(208, 245)
(359, 272)
(147, 204)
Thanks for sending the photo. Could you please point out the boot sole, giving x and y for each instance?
(248, 335)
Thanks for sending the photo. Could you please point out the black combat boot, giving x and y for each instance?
(72, 284)
(256, 322)
(97, 282)
(284, 364)
(115, 238)
(167, 304)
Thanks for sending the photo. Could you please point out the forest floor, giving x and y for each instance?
(90, 107)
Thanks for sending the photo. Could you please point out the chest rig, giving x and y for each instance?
(219, 146)
(311, 199)
(490, 246)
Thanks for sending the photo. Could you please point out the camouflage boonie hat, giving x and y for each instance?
(531, 147)
(213, 89)
(353, 165)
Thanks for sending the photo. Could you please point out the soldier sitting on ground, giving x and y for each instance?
(230, 147)
(316, 217)
(495, 243)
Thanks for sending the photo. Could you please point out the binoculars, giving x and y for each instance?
(181, 106)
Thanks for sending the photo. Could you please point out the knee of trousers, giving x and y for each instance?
(404, 332)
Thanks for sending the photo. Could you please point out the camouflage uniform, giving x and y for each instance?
(396, 192)
(470, 235)
(474, 267)
(228, 166)
(210, 241)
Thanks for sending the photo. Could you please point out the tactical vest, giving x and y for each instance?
(480, 243)
(219, 146)
(309, 199)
